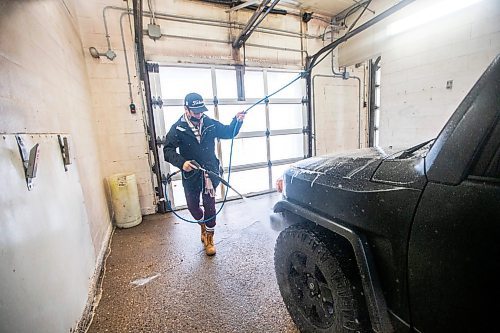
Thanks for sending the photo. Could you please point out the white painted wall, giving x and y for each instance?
(47, 259)
(51, 238)
(416, 64)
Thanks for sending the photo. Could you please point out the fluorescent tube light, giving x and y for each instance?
(442, 8)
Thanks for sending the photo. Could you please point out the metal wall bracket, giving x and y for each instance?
(153, 67)
(157, 101)
(240, 82)
(63, 144)
(30, 161)
(161, 141)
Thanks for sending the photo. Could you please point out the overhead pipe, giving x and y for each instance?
(203, 21)
(312, 61)
(226, 24)
(222, 41)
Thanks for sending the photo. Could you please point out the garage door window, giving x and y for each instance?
(272, 136)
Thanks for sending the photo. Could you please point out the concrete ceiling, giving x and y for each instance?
(325, 7)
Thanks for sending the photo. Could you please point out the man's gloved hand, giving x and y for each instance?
(189, 166)
(240, 116)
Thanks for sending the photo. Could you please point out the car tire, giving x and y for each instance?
(314, 282)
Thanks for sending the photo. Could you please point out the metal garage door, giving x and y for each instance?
(272, 136)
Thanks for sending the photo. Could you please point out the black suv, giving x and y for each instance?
(391, 240)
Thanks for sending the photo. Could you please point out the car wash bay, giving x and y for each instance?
(90, 89)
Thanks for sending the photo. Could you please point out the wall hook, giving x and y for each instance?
(63, 144)
(30, 161)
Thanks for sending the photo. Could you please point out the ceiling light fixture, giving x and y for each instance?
(428, 15)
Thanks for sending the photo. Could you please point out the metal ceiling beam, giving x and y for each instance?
(243, 5)
(254, 21)
(349, 10)
(360, 3)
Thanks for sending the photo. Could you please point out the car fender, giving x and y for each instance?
(375, 300)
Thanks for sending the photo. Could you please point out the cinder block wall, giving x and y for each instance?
(417, 63)
(120, 133)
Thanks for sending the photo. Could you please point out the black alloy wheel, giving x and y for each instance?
(311, 290)
(317, 292)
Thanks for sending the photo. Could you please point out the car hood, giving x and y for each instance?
(355, 164)
(377, 165)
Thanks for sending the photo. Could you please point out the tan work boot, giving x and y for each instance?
(209, 244)
(203, 233)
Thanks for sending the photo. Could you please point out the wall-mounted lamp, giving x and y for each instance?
(96, 54)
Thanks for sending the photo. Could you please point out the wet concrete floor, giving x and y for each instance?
(158, 278)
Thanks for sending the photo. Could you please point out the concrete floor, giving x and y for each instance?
(158, 278)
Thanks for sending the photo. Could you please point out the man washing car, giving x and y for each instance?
(194, 134)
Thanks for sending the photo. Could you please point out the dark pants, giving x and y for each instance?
(193, 203)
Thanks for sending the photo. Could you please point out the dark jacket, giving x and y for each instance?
(180, 136)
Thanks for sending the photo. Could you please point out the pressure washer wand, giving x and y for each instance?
(222, 180)
(225, 183)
